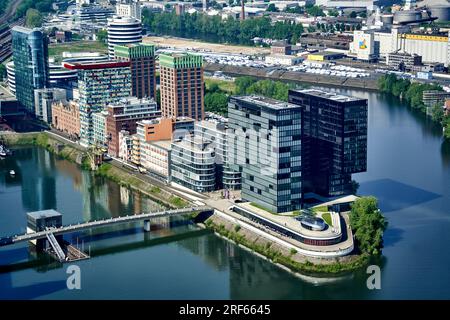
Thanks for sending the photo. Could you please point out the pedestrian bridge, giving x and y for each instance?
(100, 223)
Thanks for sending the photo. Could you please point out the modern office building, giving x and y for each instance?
(181, 85)
(66, 117)
(124, 115)
(192, 164)
(142, 64)
(43, 100)
(122, 31)
(214, 128)
(334, 140)
(30, 55)
(264, 144)
(99, 84)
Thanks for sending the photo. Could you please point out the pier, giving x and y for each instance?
(146, 217)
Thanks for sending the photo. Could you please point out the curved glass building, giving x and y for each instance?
(30, 56)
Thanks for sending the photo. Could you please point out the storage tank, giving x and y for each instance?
(441, 12)
(407, 16)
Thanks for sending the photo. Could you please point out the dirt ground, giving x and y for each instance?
(213, 47)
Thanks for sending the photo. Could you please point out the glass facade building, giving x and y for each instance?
(30, 55)
(99, 84)
(334, 140)
(192, 164)
(215, 129)
(264, 144)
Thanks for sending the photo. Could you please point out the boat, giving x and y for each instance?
(4, 151)
(12, 172)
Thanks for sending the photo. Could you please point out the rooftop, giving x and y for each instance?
(44, 214)
(91, 65)
(165, 144)
(328, 95)
(267, 102)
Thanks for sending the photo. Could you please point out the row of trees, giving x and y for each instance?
(214, 29)
(216, 99)
(40, 5)
(273, 89)
(33, 18)
(368, 225)
(412, 92)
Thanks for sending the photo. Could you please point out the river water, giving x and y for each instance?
(408, 170)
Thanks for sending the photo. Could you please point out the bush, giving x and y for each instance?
(368, 225)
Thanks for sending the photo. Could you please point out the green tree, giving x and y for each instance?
(216, 102)
(368, 225)
(272, 8)
(447, 127)
(352, 14)
(33, 18)
(102, 36)
(242, 83)
(2, 71)
(437, 113)
(314, 11)
(333, 13)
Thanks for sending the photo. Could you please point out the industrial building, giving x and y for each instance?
(433, 48)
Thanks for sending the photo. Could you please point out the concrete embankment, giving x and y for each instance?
(78, 154)
(370, 83)
(281, 255)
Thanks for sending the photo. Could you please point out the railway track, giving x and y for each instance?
(10, 11)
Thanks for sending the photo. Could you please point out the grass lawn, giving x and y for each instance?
(227, 86)
(261, 207)
(327, 218)
(77, 46)
(319, 209)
